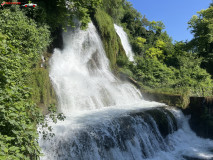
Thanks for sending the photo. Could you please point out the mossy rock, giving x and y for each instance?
(160, 117)
(43, 93)
(111, 41)
(191, 158)
(169, 99)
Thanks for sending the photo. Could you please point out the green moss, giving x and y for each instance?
(169, 99)
(126, 72)
(111, 41)
(42, 91)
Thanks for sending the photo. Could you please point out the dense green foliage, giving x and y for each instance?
(60, 13)
(21, 44)
(202, 43)
(113, 8)
(24, 36)
(160, 63)
(42, 92)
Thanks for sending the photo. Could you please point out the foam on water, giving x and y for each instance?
(184, 142)
(119, 134)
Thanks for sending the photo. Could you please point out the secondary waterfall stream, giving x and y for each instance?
(125, 42)
(107, 119)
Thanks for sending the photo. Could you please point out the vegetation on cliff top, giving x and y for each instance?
(161, 64)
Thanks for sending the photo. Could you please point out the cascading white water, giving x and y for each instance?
(124, 40)
(112, 134)
(106, 118)
(82, 77)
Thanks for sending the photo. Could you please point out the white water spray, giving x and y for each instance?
(82, 77)
(107, 118)
(125, 42)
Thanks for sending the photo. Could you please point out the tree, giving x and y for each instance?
(60, 13)
(153, 73)
(157, 27)
(202, 28)
(114, 8)
(134, 21)
(192, 75)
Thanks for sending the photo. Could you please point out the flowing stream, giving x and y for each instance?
(107, 119)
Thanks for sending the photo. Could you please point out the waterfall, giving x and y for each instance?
(107, 119)
(82, 77)
(125, 42)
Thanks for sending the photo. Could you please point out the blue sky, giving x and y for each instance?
(173, 13)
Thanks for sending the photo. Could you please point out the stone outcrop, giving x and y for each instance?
(201, 111)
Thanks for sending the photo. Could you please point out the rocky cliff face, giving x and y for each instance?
(201, 111)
